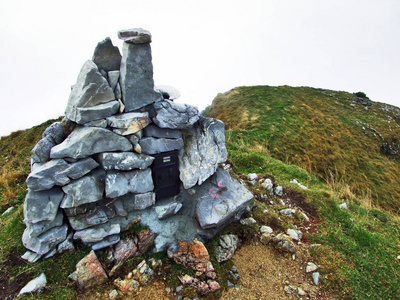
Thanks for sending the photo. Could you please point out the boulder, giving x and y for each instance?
(129, 123)
(175, 115)
(204, 150)
(227, 245)
(107, 56)
(225, 201)
(152, 146)
(86, 141)
(45, 242)
(124, 161)
(42, 206)
(135, 36)
(91, 89)
(88, 273)
(136, 77)
(121, 183)
(45, 176)
(87, 189)
(157, 132)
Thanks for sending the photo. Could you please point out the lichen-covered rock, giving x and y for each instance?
(136, 77)
(227, 245)
(128, 123)
(107, 56)
(86, 141)
(91, 89)
(124, 161)
(152, 146)
(204, 150)
(175, 115)
(284, 243)
(121, 183)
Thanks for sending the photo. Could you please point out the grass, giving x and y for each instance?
(317, 137)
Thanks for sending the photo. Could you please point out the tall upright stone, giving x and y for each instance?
(136, 73)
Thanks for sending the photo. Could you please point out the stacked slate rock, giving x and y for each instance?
(90, 174)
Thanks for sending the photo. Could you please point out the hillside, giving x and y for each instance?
(338, 136)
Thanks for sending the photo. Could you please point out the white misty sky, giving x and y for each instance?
(200, 47)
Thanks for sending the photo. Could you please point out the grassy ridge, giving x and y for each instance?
(316, 137)
(320, 131)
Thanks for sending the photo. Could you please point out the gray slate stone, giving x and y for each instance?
(56, 132)
(98, 233)
(35, 285)
(118, 95)
(68, 244)
(45, 176)
(132, 202)
(96, 123)
(108, 241)
(152, 146)
(135, 36)
(121, 183)
(87, 189)
(80, 168)
(46, 241)
(175, 115)
(227, 245)
(86, 141)
(31, 257)
(113, 77)
(222, 205)
(157, 132)
(84, 115)
(204, 150)
(167, 210)
(36, 229)
(41, 152)
(42, 205)
(93, 217)
(136, 77)
(124, 161)
(129, 123)
(107, 56)
(91, 89)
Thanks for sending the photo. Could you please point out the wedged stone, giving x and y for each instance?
(124, 161)
(157, 132)
(97, 233)
(129, 123)
(38, 228)
(136, 77)
(135, 36)
(35, 285)
(121, 183)
(118, 95)
(45, 176)
(119, 208)
(93, 217)
(91, 89)
(68, 244)
(43, 205)
(41, 152)
(226, 247)
(167, 210)
(88, 273)
(55, 131)
(84, 115)
(113, 77)
(204, 150)
(107, 56)
(133, 202)
(225, 201)
(96, 123)
(80, 168)
(168, 92)
(87, 189)
(86, 141)
(108, 241)
(152, 146)
(46, 241)
(175, 115)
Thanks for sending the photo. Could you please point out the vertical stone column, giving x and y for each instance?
(136, 73)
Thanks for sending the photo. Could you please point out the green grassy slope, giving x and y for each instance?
(322, 131)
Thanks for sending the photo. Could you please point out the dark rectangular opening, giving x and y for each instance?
(165, 171)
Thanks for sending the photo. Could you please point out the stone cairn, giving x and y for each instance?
(91, 174)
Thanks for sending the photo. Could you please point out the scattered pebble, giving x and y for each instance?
(266, 229)
(311, 267)
(288, 212)
(35, 285)
(113, 294)
(315, 277)
(248, 221)
(10, 209)
(343, 205)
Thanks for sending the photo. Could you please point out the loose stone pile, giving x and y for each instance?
(91, 174)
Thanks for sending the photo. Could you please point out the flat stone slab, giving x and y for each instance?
(80, 168)
(86, 141)
(45, 176)
(92, 218)
(132, 202)
(175, 115)
(124, 161)
(135, 36)
(157, 132)
(36, 229)
(98, 233)
(152, 146)
(84, 115)
(46, 241)
(91, 89)
(121, 183)
(43, 205)
(107, 56)
(129, 123)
